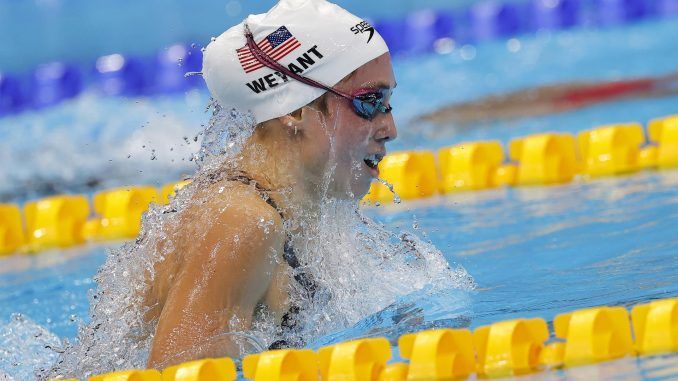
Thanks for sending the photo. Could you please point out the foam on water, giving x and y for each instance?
(93, 142)
(24, 347)
(366, 275)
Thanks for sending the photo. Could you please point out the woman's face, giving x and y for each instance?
(340, 147)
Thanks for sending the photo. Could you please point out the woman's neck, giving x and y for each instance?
(275, 165)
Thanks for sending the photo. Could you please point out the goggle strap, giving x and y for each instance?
(269, 62)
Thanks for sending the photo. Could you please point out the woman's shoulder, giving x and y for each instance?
(230, 207)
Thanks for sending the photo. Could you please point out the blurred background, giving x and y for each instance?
(93, 95)
(90, 87)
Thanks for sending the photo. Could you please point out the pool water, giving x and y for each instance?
(533, 252)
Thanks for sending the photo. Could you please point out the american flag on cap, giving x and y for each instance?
(276, 45)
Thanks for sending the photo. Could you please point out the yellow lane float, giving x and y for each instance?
(11, 229)
(168, 191)
(363, 359)
(55, 222)
(413, 174)
(282, 365)
(129, 375)
(664, 133)
(222, 369)
(594, 335)
(656, 326)
(120, 212)
(647, 157)
(442, 354)
(548, 158)
(394, 372)
(505, 175)
(611, 150)
(511, 347)
(502, 349)
(469, 166)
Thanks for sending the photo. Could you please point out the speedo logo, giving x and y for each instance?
(363, 27)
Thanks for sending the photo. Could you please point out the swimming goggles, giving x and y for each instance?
(366, 103)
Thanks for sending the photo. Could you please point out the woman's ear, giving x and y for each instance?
(297, 121)
(300, 119)
(292, 121)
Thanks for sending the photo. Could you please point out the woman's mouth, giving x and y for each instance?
(372, 163)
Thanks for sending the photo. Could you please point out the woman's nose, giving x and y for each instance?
(386, 130)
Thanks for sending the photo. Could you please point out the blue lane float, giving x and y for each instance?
(615, 12)
(492, 19)
(667, 7)
(116, 74)
(54, 82)
(171, 66)
(12, 98)
(393, 32)
(419, 32)
(445, 25)
(554, 14)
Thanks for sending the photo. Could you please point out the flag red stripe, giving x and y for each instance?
(277, 56)
(249, 63)
(244, 48)
(258, 65)
(266, 45)
(280, 52)
(277, 51)
(266, 49)
(284, 51)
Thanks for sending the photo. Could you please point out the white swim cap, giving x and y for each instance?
(314, 38)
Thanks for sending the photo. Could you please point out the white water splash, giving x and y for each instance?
(94, 143)
(25, 347)
(360, 267)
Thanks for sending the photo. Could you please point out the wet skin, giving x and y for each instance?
(224, 256)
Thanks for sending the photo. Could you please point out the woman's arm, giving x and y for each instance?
(223, 277)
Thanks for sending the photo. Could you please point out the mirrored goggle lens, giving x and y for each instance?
(368, 104)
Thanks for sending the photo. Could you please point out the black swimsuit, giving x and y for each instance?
(289, 324)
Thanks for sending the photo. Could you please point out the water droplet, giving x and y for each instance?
(396, 198)
(513, 45)
(468, 52)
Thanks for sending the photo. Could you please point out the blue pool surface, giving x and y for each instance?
(533, 252)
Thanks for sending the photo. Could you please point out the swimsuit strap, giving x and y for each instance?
(288, 251)
(242, 177)
(289, 320)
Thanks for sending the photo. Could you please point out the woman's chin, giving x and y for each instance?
(362, 187)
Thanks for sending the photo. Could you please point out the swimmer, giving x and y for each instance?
(551, 99)
(318, 81)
